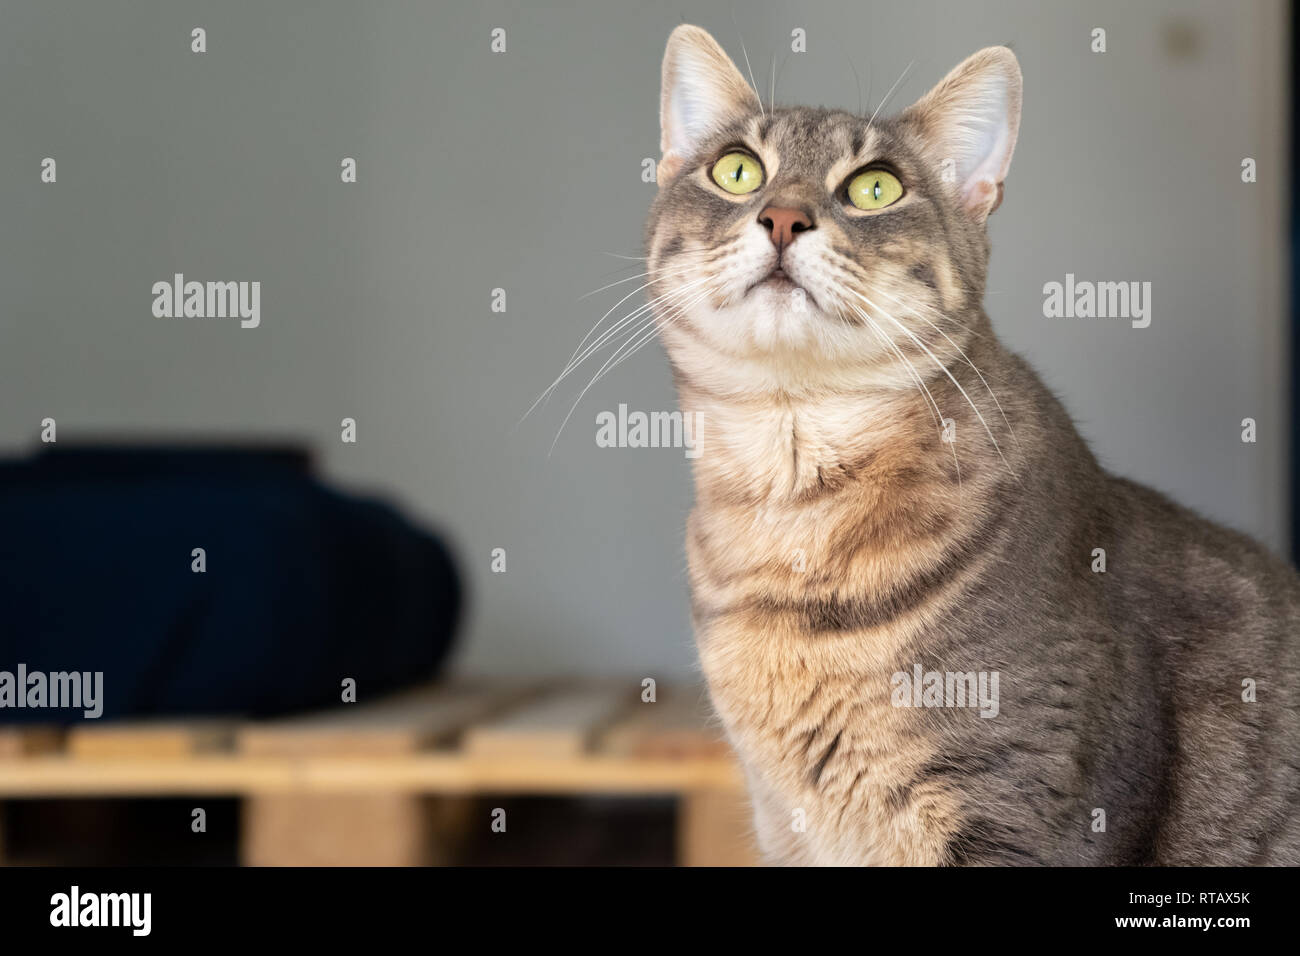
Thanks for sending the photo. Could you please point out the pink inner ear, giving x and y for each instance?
(982, 189)
(668, 167)
(980, 192)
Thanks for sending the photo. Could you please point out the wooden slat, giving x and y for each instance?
(369, 829)
(29, 740)
(679, 724)
(366, 827)
(401, 723)
(562, 723)
(427, 772)
(150, 739)
(715, 828)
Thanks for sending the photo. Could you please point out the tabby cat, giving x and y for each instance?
(936, 631)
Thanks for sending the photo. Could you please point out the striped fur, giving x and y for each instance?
(838, 540)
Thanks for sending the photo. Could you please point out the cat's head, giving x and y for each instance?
(796, 242)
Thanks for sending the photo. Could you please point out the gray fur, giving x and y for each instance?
(1121, 691)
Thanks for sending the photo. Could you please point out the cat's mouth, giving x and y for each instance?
(778, 280)
(782, 283)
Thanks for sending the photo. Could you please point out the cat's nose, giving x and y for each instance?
(784, 224)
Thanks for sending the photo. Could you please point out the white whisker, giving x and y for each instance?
(908, 332)
(885, 100)
(576, 360)
(757, 95)
(965, 358)
(931, 406)
(615, 360)
(605, 336)
(661, 273)
(936, 413)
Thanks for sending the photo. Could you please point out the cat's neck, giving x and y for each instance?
(769, 449)
(770, 434)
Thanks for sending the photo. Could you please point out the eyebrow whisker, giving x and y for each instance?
(906, 70)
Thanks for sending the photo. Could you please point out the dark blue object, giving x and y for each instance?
(304, 587)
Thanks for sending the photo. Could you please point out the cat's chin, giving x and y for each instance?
(773, 319)
(778, 292)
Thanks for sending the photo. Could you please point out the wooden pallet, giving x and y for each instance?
(354, 784)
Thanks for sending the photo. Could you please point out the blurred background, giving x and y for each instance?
(429, 303)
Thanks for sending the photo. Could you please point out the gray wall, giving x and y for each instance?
(522, 171)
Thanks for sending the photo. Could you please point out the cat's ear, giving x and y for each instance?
(969, 124)
(702, 92)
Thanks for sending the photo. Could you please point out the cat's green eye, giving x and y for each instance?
(875, 189)
(738, 173)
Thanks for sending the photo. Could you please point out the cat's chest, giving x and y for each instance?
(799, 659)
(837, 771)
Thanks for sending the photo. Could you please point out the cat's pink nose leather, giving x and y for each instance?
(784, 225)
